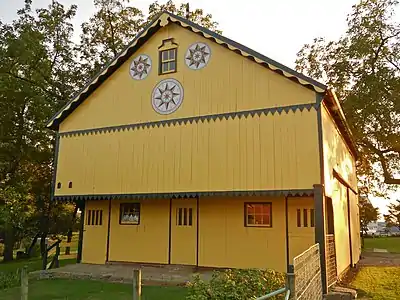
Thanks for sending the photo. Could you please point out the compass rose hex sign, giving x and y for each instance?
(140, 67)
(167, 96)
(197, 56)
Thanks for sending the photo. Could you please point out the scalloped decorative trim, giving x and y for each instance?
(285, 193)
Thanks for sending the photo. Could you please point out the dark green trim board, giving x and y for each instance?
(196, 119)
(197, 229)
(81, 206)
(319, 99)
(297, 193)
(169, 231)
(108, 231)
(319, 206)
(287, 235)
(55, 163)
(343, 181)
(142, 38)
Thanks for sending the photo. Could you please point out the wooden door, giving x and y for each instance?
(184, 231)
(95, 232)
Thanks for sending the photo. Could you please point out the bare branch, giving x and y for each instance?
(388, 178)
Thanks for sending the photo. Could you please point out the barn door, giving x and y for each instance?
(95, 232)
(184, 231)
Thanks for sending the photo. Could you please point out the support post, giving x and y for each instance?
(81, 229)
(24, 283)
(57, 255)
(290, 281)
(319, 205)
(137, 284)
(45, 254)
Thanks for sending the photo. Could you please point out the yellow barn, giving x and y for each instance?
(190, 148)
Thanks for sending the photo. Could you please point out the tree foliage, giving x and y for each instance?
(197, 15)
(368, 213)
(107, 32)
(363, 66)
(393, 217)
(37, 76)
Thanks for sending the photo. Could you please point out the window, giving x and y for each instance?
(168, 61)
(94, 217)
(305, 217)
(258, 214)
(129, 214)
(184, 216)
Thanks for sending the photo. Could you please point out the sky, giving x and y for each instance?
(275, 28)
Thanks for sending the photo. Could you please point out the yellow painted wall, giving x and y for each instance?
(95, 236)
(255, 153)
(146, 242)
(336, 155)
(224, 241)
(355, 226)
(342, 243)
(228, 83)
(300, 238)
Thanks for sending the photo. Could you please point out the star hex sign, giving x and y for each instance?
(197, 56)
(140, 67)
(167, 96)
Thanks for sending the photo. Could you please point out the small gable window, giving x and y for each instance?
(168, 61)
(168, 51)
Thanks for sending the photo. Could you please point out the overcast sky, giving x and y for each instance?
(275, 28)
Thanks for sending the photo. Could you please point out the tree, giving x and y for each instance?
(197, 16)
(368, 213)
(107, 32)
(393, 218)
(363, 67)
(37, 76)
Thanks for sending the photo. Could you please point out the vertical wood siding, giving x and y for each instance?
(270, 152)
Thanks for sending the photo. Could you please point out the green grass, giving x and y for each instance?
(378, 283)
(392, 244)
(87, 289)
(33, 264)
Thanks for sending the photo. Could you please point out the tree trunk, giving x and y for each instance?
(29, 251)
(69, 235)
(9, 242)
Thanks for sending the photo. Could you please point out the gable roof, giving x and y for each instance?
(160, 21)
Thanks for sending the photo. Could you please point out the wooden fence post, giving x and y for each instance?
(291, 281)
(24, 283)
(137, 284)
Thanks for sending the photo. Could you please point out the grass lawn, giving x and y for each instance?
(378, 283)
(392, 244)
(87, 289)
(33, 264)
